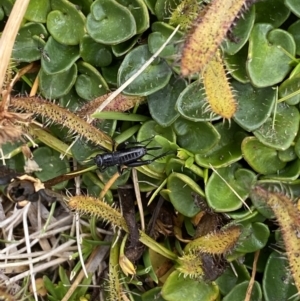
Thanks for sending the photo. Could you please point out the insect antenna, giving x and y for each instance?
(153, 148)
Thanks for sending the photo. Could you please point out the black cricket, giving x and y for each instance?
(124, 155)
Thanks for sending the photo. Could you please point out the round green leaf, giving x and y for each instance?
(60, 57)
(154, 78)
(261, 158)
(95, 53)
(294, 30)
(295, 72)
(262, 259)
(110, 23)
(178, 287)
(147, 131)
(71, 101)
(122, 48)
(109, 173)
(110, 73)
(274, 14)
(28, 44)
(164, 8)
(2, 14)
(94, 187)
(281, 133)
(89, 84)
(139, 11)
(291, 172)
(82, 150)
(254, 105)
(180, 189)
(56, 85)
(192, 103)
(7, 6)
(254, 237)
(51, 164)
(287, 155)
(289, 86)
(238, 293)
(297, 147)
(83, 5)
(227, 150)
(221, 195)
(155, 40)
(146, 183)
(150, 4)
(177, 165)
(229, 279)
(247, 216)
(61, 133)
(278, 283)
(294, 6)
(188, 134)
(17, 161)
(294, 188)
(260, 203)
(160, 33)
(243, 215)
(240, 33)
(65, 22)
(38, 10)
(162, 103)
(267, 63)
(239, 59)
(153, 294)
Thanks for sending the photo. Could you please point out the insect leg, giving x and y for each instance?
(120, 170)
(120, 146)
(145, 162)
(123, 145)
(102, 168)
(153, 148)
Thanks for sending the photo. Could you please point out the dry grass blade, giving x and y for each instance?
(138, 198)
(251, 283)
(9, 35)
(28, 247)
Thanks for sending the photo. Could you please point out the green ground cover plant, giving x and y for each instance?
(215, 217)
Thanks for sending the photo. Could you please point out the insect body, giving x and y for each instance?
(125, 156)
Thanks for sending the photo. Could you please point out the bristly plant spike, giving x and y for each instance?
(184, 14)
(12, 125)
(190, 265)
(97, 208)
(207, 34)
(114, 287)
(288, 219)
(216, 243)
(121, 103)
(64, 117)
(220, 98)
